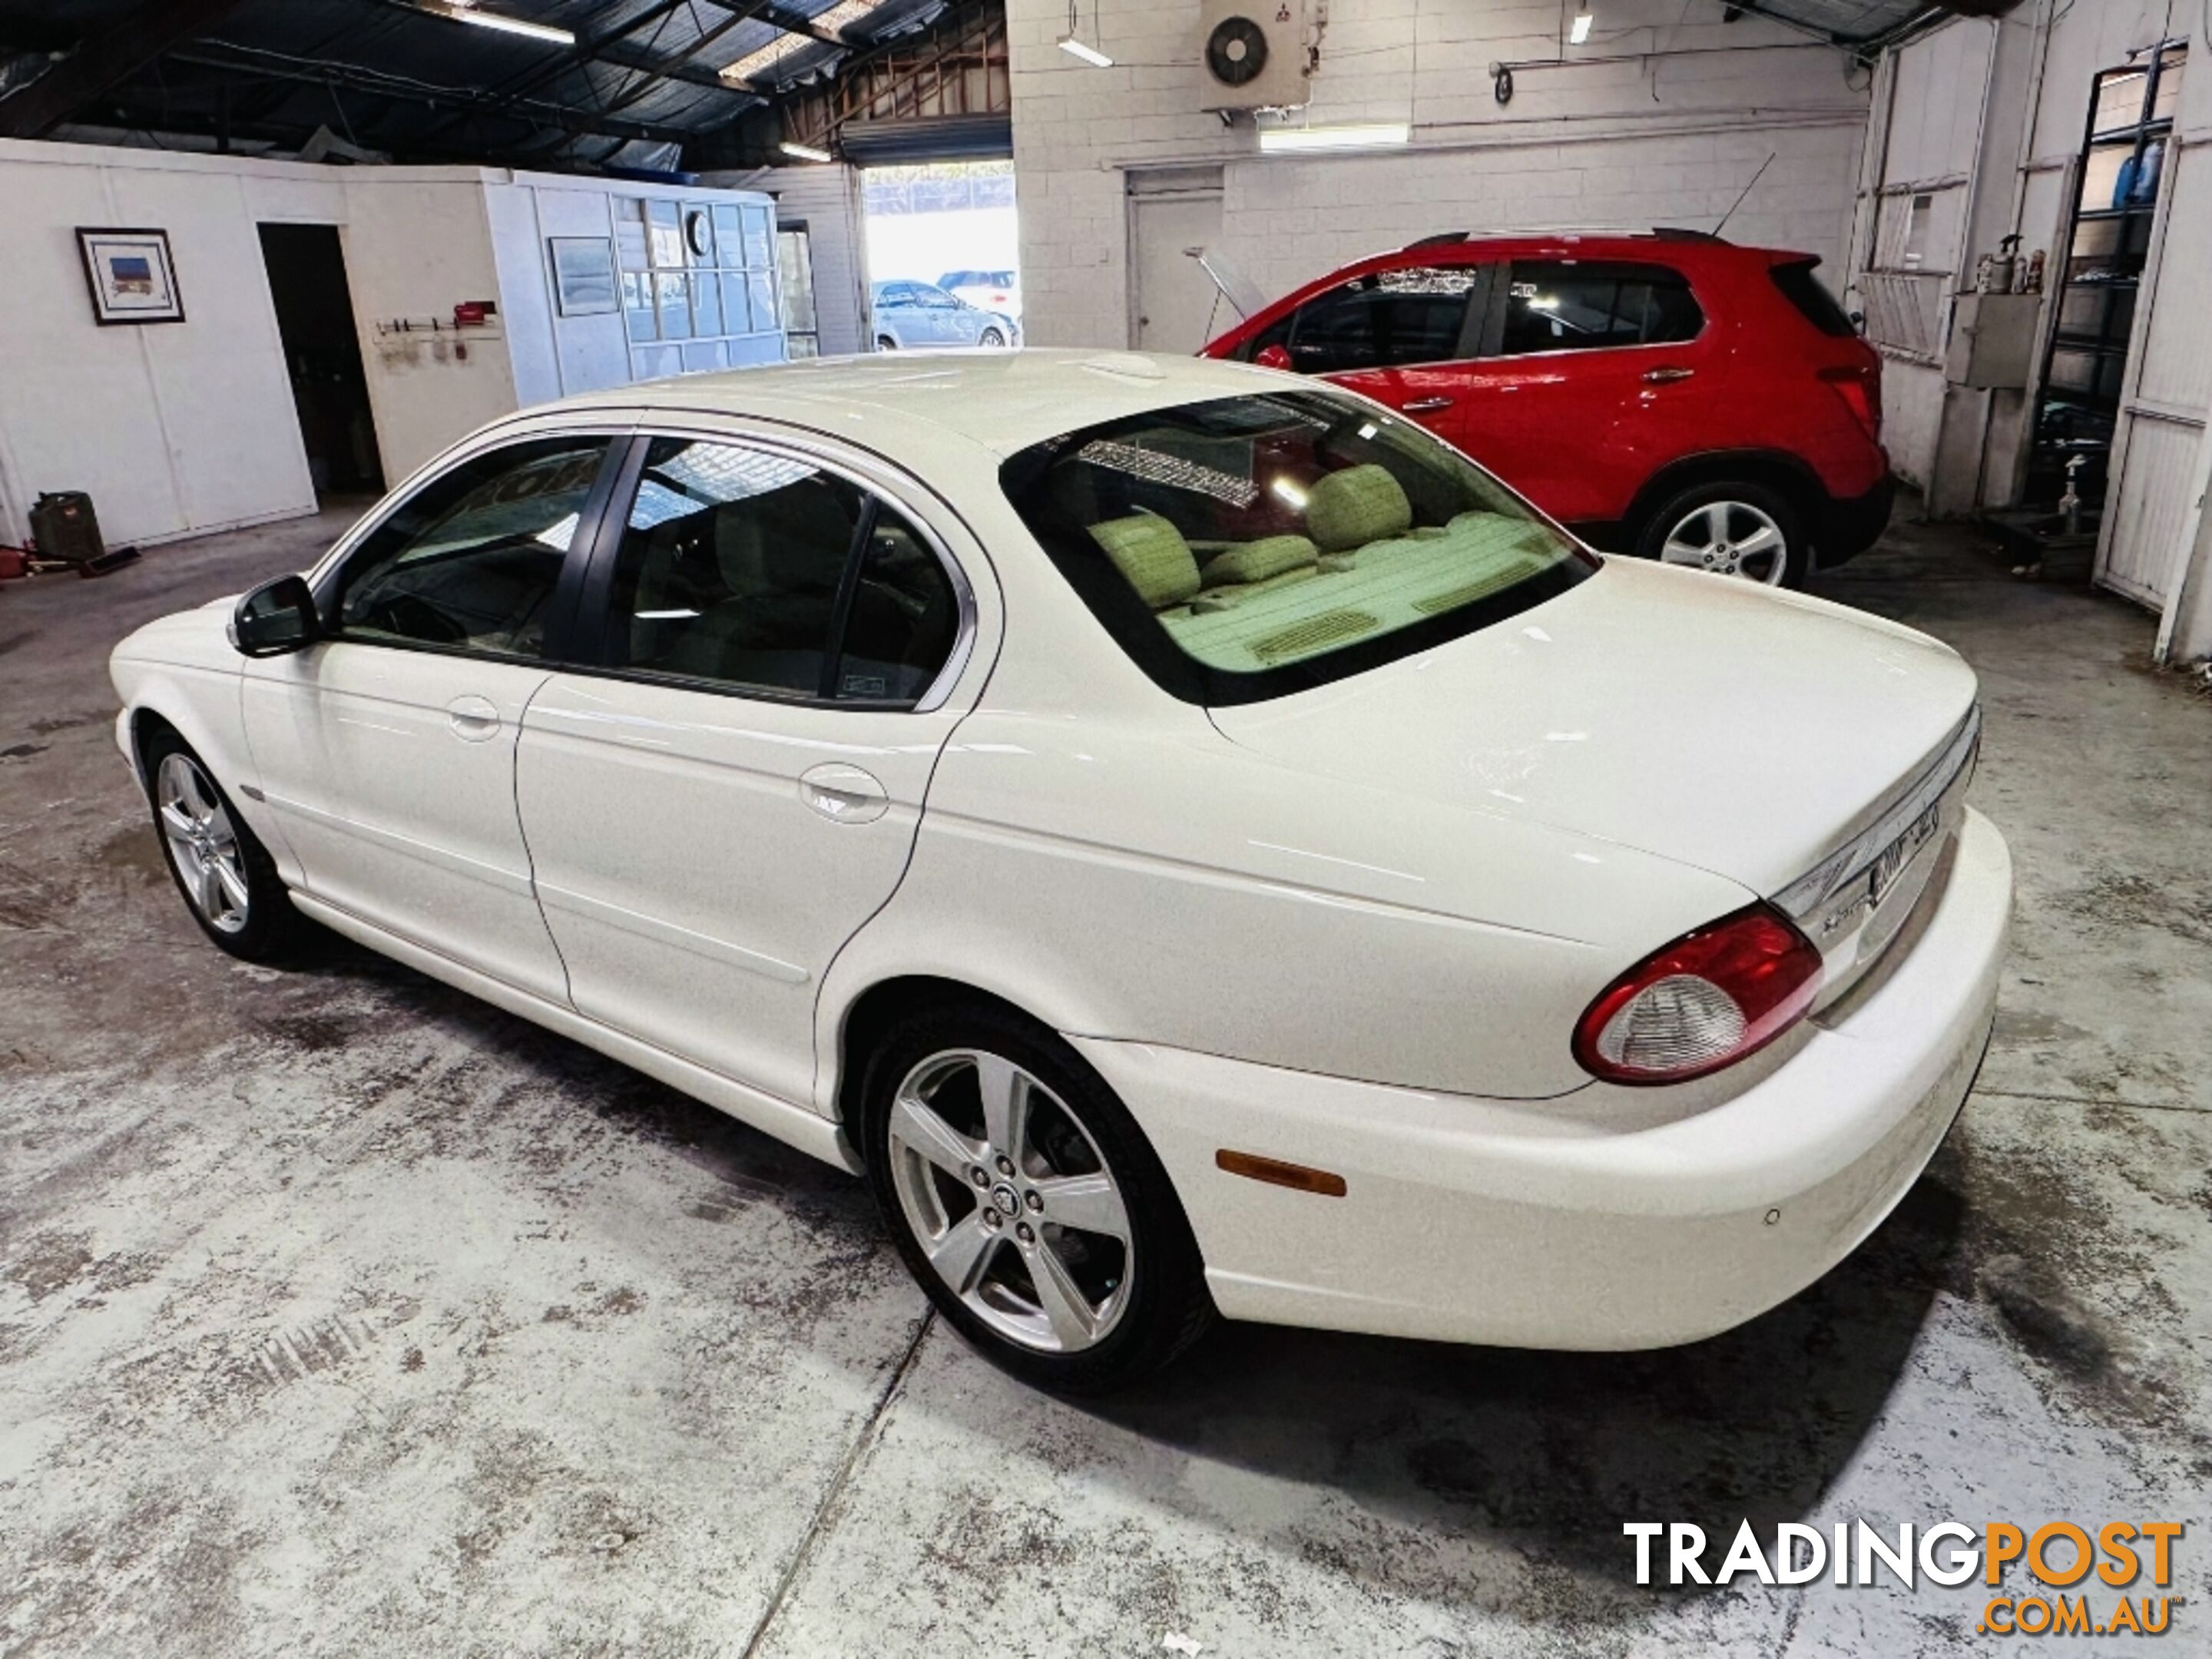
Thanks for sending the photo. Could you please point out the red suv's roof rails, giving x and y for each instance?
(1529, 233)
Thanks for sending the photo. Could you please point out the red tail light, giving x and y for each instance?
(1705, 1001)
(1861, 391)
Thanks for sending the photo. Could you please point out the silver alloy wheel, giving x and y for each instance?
(1038, 1250)
(1730, 539)
(991, 339)
(202, 842)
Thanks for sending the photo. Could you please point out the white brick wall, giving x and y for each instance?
(1664, 140)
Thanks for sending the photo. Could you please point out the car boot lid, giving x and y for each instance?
(1711, 722)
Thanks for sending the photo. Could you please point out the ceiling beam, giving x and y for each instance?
(105, 62)
(460, 100)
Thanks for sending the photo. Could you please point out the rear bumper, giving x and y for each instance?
(1845, 529)
(1534, 1224)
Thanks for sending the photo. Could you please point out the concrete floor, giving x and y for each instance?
(341, 1314)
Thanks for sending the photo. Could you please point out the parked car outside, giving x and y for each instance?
(998, 291)
(1669, 395)
(904, 315)
(1194, 839)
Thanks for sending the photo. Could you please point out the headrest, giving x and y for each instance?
(1359, 504)
(1152, 555)
(1254, 561)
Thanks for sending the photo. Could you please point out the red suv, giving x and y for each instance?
(1669, 395)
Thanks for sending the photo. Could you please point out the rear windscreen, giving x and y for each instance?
(1815, 303)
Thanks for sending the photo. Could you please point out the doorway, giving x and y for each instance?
(1172, 216)
(322, 355)
(944, 253)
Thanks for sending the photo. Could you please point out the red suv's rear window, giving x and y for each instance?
(1815, 303)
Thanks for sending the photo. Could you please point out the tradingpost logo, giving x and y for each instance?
(2074, 1580)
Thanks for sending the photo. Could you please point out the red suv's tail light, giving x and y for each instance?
(1705, 1001)
(1861, 391)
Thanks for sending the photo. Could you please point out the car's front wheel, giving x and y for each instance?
(1748, 531)
(991, 337)
(229, 881)
(885, 343)
(1025, 1200)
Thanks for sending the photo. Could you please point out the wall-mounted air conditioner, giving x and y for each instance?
(1253, 53)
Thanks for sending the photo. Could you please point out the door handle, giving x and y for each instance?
(473, 719)
(1662, 376)
(1427, 405)
(844, 794)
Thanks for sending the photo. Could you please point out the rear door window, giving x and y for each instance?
(1384, 320)
(1563, 305)
(761, 572)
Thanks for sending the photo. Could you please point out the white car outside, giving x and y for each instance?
(998, 291)
(1196, 840)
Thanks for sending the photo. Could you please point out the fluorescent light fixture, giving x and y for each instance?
(465, 13)
(834, 20)
(1091, 55)
(1277, 140)
(1581, 31)
(805, 152)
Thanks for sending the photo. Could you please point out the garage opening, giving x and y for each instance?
(322, 354)
(944, 255)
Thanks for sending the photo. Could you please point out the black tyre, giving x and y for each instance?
(1026, 1202)
(229, 881)
(1751, 532)
(885, 343)
(991, 337)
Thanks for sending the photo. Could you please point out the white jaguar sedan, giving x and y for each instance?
(1196, 840)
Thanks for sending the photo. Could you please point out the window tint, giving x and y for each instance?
(1558, 306)
(903, 618)
(732, 569)
(1386, 320)
(1245, 547)
(1815, 303)
(471, 560)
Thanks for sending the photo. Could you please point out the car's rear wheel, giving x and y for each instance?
(1028, 1204)
(229, 881)
(885, 343)
(991, 336)
(1748, 531)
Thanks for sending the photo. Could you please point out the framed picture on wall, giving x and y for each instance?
(583, 274)
(130, 276)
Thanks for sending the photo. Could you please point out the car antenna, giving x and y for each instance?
(1738, 203)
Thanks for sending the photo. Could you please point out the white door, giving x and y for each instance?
(721, 805)
(1176, 312)
(2150, 503)
(388, 749)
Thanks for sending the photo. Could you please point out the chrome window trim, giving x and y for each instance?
(1804, 899)
(614, 425)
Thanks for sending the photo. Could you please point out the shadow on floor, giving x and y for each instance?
(1525, 1448)
(1530, 1448)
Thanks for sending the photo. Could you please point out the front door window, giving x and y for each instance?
(470, 561)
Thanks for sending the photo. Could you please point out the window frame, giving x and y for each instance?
(1501, 295)
(1472, 325)
(591, 636)
(326, 583)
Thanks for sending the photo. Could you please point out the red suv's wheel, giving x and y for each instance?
(1748, 531)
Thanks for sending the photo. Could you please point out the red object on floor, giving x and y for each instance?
(12, 561)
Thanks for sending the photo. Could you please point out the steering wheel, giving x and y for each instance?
(412, 618)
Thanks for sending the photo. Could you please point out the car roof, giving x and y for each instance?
(906, 405)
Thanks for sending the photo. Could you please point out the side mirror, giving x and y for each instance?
(275, 617)
(1273, 357)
